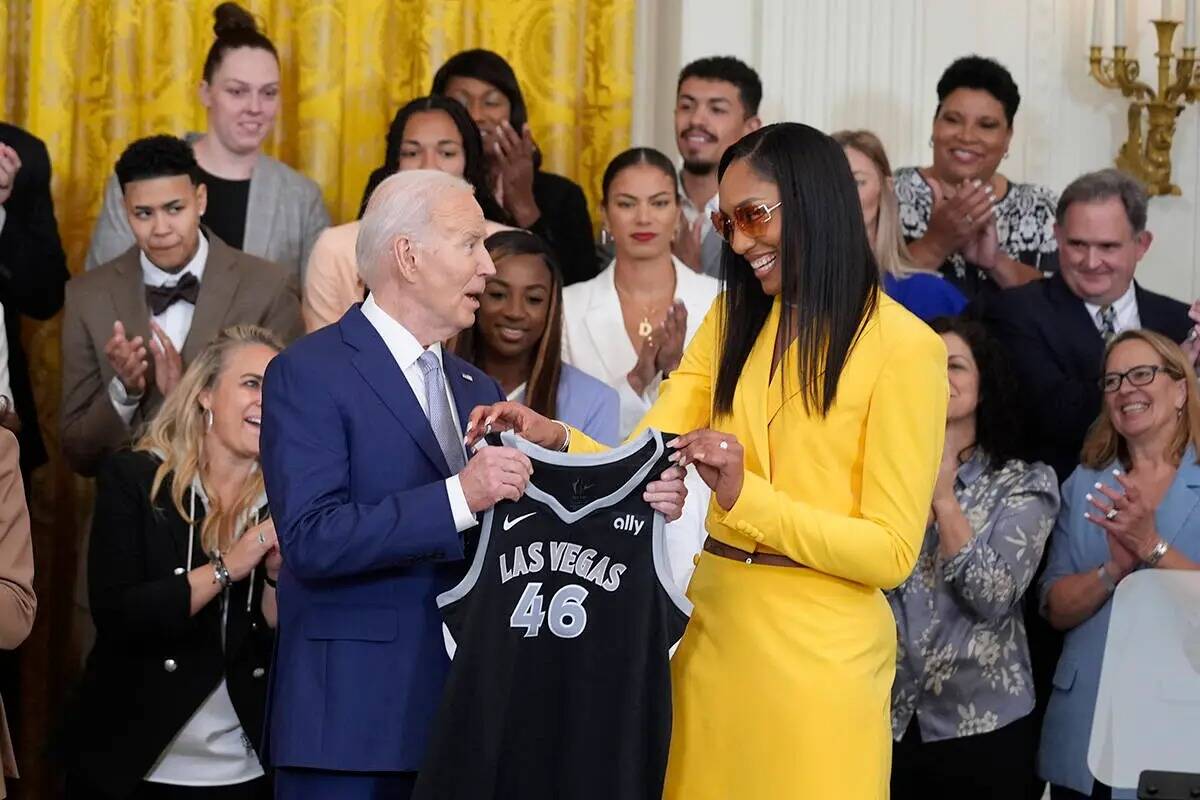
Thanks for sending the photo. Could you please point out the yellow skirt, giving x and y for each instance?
(782, 686)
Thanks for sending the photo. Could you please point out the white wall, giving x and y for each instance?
(873, 64)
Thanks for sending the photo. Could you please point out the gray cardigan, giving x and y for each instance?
(284, 215)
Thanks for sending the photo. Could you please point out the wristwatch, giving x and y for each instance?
(220, 573)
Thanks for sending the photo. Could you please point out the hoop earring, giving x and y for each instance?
(931, 141)
(208, 420)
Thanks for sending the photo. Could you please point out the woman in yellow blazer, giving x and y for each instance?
(820, 433)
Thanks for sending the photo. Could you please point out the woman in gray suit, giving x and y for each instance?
(256, 203)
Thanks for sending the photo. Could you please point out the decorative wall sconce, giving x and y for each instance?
(1148, 156)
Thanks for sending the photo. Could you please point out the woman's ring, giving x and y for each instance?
(261, 539)
(1111, 514)
(724, 445)
(970, 220)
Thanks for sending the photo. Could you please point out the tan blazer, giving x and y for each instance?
(331, 282)
(284, 214)
(236, 288)
(17, 601)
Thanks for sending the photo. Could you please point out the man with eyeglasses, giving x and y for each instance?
(1055, 330)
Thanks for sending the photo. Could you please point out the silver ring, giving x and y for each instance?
(1111, 514)
(970, 220)
(724, 445)
(261, 539)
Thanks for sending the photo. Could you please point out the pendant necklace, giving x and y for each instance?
(644, 327)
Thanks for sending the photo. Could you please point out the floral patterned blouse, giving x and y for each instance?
(962, 663)
(1024, 226)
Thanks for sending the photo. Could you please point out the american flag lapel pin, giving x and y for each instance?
(468, 378)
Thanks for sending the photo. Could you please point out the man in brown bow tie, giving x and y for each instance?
(132, 326)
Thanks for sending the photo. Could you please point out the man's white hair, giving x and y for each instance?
(402, 205)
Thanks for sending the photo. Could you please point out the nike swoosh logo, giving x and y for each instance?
(509, 524)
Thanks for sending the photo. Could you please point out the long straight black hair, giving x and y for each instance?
(830, 277)
(475, 167)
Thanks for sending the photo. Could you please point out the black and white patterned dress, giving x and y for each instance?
(1024, 226)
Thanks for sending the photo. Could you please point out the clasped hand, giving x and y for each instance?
(665, 495)
(1127, 521)
(128, 359)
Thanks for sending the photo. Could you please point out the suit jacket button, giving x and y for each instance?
(169, 665)
(258, 672)
(179, 570)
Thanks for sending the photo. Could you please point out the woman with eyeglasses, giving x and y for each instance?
(813, 406)
(1128, 506)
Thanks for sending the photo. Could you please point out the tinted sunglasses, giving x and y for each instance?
(750, 220)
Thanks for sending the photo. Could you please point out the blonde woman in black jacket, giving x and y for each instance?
(181, 572)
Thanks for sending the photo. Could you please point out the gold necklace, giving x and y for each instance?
(645, 327)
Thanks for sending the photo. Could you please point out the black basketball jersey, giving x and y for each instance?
(560, 686)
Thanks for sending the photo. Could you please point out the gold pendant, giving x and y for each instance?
(645, 328)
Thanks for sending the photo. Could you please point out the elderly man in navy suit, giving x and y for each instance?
(372, 493)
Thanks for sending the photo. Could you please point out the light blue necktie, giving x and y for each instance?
(440, 417)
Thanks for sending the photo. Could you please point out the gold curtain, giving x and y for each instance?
(89, 76)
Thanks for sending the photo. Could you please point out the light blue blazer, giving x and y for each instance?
(585, 403)
(1077, 545)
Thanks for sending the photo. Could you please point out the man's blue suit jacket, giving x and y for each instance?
(356, 485)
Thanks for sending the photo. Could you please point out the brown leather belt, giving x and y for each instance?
(723, 550)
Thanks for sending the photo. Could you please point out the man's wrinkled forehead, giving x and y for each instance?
(457, 215)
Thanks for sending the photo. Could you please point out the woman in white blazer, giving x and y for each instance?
(629, 325)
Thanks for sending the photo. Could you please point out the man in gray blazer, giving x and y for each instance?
(285, 213)
(132, 325)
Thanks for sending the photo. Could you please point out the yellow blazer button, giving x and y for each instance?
(169, 665)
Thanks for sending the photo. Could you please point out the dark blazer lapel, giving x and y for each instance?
(375, 364)
(217, 290)
(1162, 314)
(1072, 325)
